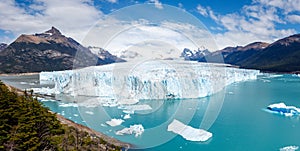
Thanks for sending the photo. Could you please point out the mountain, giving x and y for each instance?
(48, 51)
(105, 55)
(195, 55)
(237, 55)
(281, 56)
(2, 46)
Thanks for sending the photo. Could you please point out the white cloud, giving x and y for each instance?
(73, 17)
(256, 22)
(287, 5)
(293, 18)
(112, 1)
(203, 11)
(157, 4)
(167, 39)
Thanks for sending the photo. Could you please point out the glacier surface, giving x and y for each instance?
(129, 82)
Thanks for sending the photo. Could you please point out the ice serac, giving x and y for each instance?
(188, 132)
(147, 80)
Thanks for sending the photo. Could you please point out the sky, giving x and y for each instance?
(230, 22)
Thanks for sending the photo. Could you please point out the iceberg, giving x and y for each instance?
(89, 112)
(136, 129)
(289, 148)
(127, 116)
(114, 122)
(128, 82)
(281, 108)
(188, 132)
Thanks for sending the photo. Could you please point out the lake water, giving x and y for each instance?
(242, 124)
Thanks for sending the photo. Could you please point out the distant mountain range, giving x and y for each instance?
(52, 51)
(49, 51)
(281, 56)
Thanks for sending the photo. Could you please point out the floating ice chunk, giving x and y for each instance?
(289, 148)
(103, 125)
(140, 107)
(89, 112)
(75, 115)
(128, 111)
(114, 122)
(188, 132)
(127, 101)
(45, 100)
(281, 108)
(138, 129)
(23, 83)
(68, 105)
(127, 116)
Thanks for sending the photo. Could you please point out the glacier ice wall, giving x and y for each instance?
(147, 80)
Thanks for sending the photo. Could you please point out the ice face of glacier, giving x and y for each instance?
(151, 79)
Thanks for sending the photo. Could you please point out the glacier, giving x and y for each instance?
(153, 79)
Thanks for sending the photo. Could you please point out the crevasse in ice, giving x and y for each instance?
(147, 80)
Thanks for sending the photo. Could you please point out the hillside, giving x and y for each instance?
(27, 125)
(48, 51)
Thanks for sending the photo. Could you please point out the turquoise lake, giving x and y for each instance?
(243, 123)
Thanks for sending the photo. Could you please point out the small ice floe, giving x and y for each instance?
(103, 125)
(127, 116)
(45, 100)
(114, 122)
(130, 109)
(75, 115)
(230, 92)
(136, 129)
(23, 83)
(188, 132)
(282, 109)
(89, 112)
(265, 80)
(127, 101)
(289, 148)
(128, 112)
(68, 105)
(275, 75)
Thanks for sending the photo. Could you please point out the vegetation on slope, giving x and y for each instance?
(26, 125)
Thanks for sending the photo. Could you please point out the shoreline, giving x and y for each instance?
(65, 121)
(19, 74)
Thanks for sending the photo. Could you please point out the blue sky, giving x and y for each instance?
(231, 22)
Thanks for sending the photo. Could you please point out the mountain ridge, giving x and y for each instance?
(282, 55)
(48, 51)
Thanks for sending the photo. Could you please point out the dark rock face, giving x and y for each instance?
(48, 51)
(2, 46)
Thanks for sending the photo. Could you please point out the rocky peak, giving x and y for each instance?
(53, 31)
